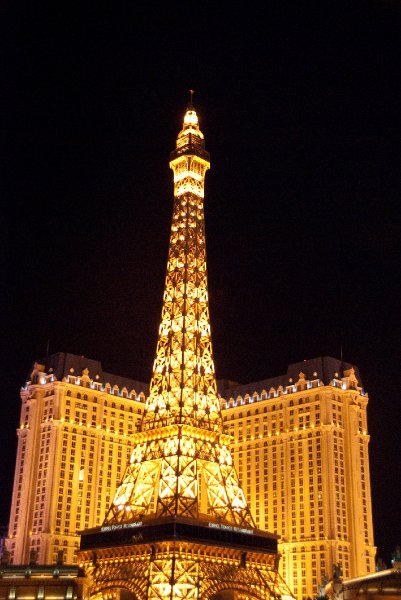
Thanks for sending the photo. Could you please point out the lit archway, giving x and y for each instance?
(113, 592)
(231, 594)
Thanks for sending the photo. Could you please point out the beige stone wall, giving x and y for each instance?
(302, 457)
(73, 447)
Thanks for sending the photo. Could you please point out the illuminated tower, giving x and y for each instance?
(179, 525)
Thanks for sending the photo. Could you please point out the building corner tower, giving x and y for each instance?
(179, 525)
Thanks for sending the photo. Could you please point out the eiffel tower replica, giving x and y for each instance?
(179, 526)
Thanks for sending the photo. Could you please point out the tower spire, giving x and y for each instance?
(179, 526)
(183, 387)
(181, 464)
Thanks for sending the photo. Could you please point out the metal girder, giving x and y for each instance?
(181, 466)
(184, 570)
(167, 472)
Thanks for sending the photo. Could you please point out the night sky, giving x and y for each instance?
(301, 111)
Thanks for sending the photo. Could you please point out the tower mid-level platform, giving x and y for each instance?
(206, 558)
(179, 530)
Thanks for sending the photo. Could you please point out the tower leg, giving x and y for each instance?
(173, 578)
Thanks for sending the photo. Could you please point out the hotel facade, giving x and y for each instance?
(300, 447)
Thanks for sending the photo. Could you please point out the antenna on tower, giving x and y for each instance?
(192, 92)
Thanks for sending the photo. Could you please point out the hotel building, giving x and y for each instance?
(300, 446)
(301, 451)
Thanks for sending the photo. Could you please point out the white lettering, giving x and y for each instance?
(231, 528)
(122, 526)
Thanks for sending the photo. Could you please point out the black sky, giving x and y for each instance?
(300, 106)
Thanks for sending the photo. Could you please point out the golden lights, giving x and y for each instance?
(181, 464)
(190, 118)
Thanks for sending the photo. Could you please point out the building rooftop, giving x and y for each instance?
(322, 368)
(63, 364)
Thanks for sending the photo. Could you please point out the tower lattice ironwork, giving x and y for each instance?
(179, 525)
